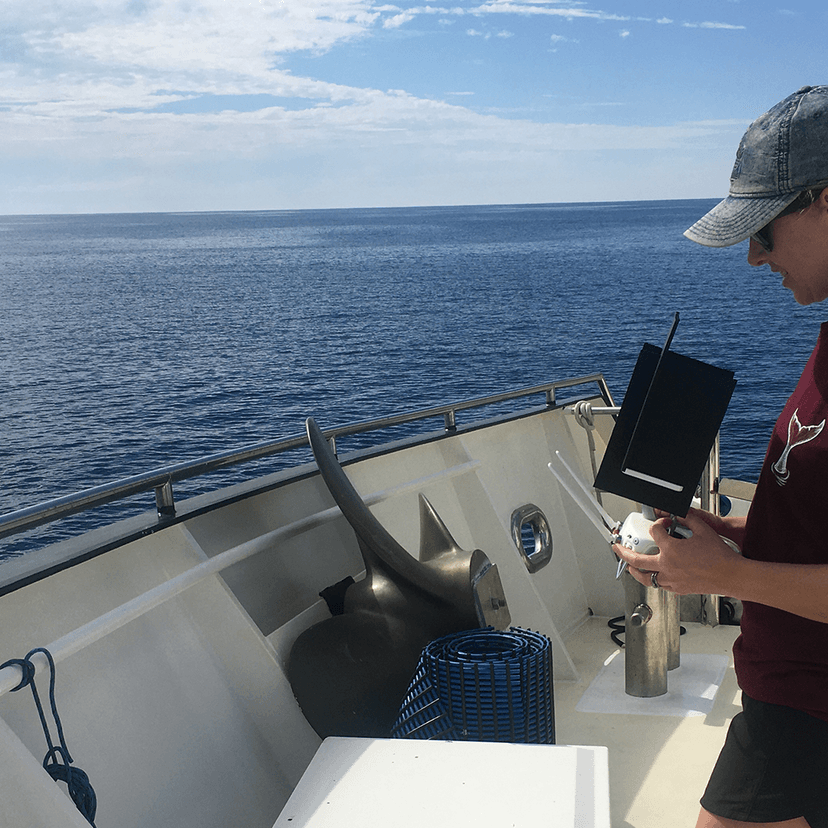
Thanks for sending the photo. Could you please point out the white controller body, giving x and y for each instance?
(634, 534)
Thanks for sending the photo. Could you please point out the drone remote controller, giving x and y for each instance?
(634, 534)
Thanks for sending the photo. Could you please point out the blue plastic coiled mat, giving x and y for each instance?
(482, 685)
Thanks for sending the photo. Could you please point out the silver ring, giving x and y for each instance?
(654, 580)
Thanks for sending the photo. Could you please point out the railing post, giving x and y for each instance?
(710, 502)
(710, 481)
(165, 501)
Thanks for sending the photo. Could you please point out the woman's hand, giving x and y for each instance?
(732, 528)
(705, 564)
(702, 563)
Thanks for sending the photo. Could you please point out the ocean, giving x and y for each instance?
(134, 341)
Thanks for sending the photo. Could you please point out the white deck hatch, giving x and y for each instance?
(401, 783)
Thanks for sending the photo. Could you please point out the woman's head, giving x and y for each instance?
(783, 153)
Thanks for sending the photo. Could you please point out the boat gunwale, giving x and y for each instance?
(55, 557)
(30, 517)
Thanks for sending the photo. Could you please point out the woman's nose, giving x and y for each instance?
(757, 255)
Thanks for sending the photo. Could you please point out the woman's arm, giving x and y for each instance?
(704, 563)
(801, 589)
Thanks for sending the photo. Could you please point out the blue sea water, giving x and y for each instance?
(134, 341)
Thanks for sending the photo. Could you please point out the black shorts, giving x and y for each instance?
(773, 767)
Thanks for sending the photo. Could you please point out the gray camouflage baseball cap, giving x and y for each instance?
(783, 152)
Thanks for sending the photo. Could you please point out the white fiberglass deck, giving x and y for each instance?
(659, 758)
(658, 752)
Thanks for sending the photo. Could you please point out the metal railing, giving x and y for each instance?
(98, 628)
(161, 480)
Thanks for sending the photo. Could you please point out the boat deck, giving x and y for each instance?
(661, 751)
(172, 639)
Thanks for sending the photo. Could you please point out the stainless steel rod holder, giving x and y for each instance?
(672, 603)
(645, 645)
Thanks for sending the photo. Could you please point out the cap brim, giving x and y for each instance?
(736, 219)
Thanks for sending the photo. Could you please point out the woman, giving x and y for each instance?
(773, 769)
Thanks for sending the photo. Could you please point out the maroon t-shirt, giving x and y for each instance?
(780, 657)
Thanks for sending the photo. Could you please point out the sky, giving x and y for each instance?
(189, 105)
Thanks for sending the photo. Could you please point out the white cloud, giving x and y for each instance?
(103, 81)
(624, 33)
(711, 25)
(86, 60)
(102, 58)
(550, 8)
(397, 20)
(374, 120)
(215, 31)
(522, 8)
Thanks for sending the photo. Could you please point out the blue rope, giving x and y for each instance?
(80, 790)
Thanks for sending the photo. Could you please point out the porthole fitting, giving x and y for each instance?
(532, 536)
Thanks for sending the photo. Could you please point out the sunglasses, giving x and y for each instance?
(802, 202)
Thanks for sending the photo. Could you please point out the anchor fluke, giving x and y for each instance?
(435, 538)
(350, 672)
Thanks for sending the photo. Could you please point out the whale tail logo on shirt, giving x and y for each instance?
(797, 435)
